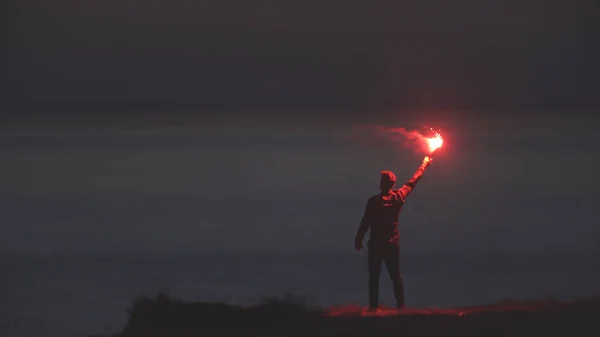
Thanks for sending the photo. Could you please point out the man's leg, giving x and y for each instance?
(392, 264)
(374, 272)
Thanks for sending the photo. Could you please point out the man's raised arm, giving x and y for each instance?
(410, 184)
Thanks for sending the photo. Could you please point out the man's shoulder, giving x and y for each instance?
(397, 194)
(400, 192)
(373, 197)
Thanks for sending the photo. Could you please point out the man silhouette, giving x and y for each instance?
(381, 216)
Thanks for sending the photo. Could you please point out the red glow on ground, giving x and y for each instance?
(355, 311)
(383, 312)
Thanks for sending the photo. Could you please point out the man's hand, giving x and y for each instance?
(358, 245)
(427, 160)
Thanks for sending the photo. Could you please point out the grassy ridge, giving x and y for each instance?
(168, 317)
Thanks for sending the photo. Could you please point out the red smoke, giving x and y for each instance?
(412, 139)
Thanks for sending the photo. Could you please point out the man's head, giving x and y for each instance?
(388, 181)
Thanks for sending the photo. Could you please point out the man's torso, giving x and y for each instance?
(385, 213)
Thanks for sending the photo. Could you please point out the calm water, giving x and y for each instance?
(83, 296)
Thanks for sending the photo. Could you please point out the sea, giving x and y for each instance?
(66, 296)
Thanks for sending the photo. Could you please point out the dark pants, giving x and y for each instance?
(390, 254)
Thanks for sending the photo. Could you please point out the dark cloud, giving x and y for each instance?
(332, 53)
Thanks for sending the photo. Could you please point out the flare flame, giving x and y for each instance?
(434, 142)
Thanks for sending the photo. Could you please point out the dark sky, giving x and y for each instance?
(235, 53)
(518, 174)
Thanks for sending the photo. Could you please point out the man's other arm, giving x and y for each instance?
(365, 223)
(412, 183)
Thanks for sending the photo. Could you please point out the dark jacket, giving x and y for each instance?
(382, 212)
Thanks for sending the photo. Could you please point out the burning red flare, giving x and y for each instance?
(434, 142)
(425, 141)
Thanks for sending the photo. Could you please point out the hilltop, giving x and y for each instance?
(165, 316)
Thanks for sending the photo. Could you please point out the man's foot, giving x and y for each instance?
(400, 306)
(372, 309)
